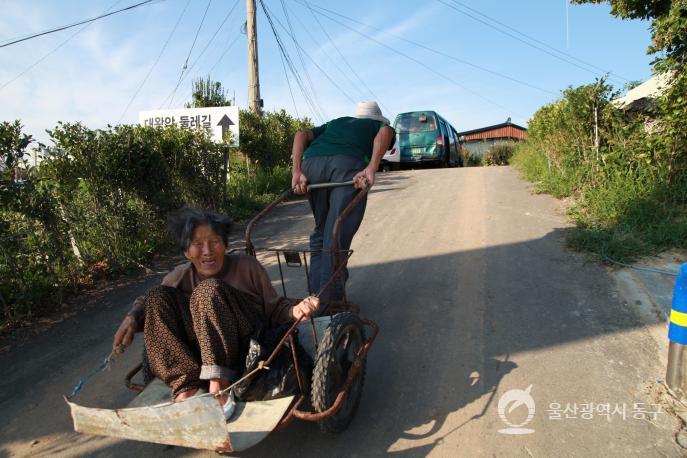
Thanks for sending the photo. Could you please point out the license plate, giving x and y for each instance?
(417, 151)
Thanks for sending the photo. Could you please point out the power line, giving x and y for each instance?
(51, 52)
(545, 51)
(185, 66)
(315, 109)
(317, 65)
(207, 44)
(350, 67)
(164, 46)
(46, 32)
(288, 83)
(226, 50)
(427, 48)
(537, 40)
(424, 65)
(298, 51)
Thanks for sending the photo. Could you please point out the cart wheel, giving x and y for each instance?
(336, 353)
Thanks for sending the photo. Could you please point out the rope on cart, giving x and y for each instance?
(105, 365)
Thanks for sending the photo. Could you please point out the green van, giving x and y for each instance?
(426, 137)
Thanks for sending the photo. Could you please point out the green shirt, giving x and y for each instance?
(346, 136)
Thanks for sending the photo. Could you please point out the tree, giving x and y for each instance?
(208, 93)
(635, 9)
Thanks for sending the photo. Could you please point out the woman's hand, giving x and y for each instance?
(306, 308)
(125, 334)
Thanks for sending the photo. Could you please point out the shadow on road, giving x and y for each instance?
(451, 328)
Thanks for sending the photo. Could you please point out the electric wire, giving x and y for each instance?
(288, 83)
(164, 46)
(602, 70)
(212, 38)
(292, 34)
(185, 66)
(306, 96)
(170, 97)
(339, 69)
(426, 67)
(57, 29)
(545, 51)
(316, 109)
(314, 62)
(432, 50)
(226, 50)
(51, 52)
(343, 57)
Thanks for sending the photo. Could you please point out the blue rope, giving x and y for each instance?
(102, 367)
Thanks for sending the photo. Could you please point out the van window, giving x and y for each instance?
(415, 122)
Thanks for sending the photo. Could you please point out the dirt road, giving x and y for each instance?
(467, 275)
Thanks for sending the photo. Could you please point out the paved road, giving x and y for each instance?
(467, 275)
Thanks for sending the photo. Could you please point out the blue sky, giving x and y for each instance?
(93, 76)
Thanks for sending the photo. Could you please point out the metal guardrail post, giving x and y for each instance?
(676, 374)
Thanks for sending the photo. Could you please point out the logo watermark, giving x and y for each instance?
(513, 399)
(510, 401)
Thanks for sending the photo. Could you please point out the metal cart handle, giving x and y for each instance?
(250, 249)
(330, 185)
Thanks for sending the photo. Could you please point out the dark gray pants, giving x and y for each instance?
(327, 205)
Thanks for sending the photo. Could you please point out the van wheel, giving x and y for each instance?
(385, 168)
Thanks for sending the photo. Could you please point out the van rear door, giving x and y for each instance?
(417, 133)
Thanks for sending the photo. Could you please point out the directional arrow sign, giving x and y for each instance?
(225, 122)
(197, 118)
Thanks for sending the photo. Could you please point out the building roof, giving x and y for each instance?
(649, 89)
(508, 123)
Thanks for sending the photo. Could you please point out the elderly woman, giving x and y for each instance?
(197, 324)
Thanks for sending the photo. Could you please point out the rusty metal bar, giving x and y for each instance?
(307, 273)
(295, 363)
(314, 331)
(352, 374)
(250, 249)
(288, 418)
(131, 385)
(281, 273)
(281, 342)
(335, 230)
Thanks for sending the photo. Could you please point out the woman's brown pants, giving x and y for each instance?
(190, 342)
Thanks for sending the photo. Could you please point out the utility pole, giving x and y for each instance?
(254, 101)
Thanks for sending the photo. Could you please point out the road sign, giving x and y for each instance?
(216, 120)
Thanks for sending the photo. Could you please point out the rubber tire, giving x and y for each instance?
(325, 383)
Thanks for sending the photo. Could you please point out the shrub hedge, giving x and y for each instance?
(97, 202)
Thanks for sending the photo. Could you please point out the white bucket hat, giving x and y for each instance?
(370, 110)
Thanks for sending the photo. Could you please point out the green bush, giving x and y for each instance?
(630, 186)
(250, 191)
(499, 154)
(267, 139)
(96, 204)
(470, 159)
(98, 201)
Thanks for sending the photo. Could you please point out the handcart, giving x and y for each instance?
(337, 340)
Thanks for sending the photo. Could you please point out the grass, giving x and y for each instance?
(249, 191)
(619, 215)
